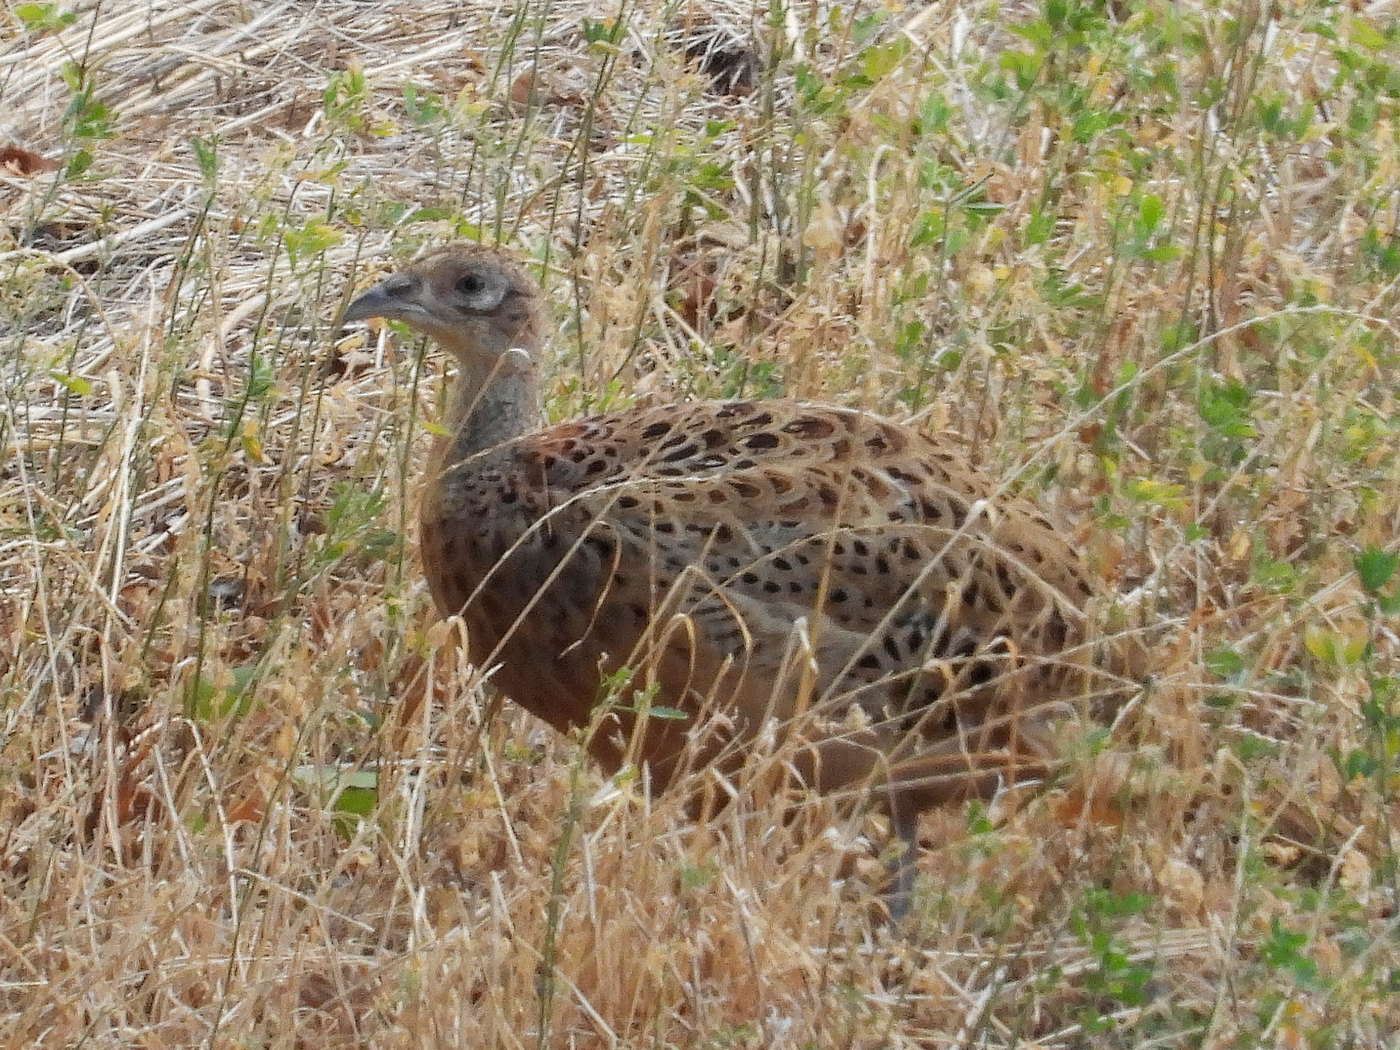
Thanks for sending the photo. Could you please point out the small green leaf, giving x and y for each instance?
(928, 228)
(1089, 124)
(1249, 748)
(602, 32)
(1162, 253)
(1157, 493)
(696, 876)
(1112, 905)
(978, 822)
(1283, 950)
(1024, 67)
(879, 61)
(209, 703)
(934, 114)
(1224, 662)
(73, 384)
(1382, 251)
(310, 240)
(1376, 567)
(1226, 407)
(43, 18)
(357, 801)
(78, 163)
(1367, 35)
(984, 207)
(1039, 227)
(1334, 648)
(1274, 574)
(423, 107)
(1150, 212)
(1360, 764)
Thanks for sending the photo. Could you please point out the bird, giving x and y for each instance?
(677, 580)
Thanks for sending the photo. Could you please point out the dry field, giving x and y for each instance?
(1141, 258)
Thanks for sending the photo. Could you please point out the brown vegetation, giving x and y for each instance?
(1140, 261)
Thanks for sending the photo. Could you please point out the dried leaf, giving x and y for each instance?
(17, 161)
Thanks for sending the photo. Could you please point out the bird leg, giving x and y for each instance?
(899, 895)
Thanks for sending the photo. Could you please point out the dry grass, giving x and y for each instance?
(1142, 258)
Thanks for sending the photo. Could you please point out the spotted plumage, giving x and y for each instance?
(751, 561)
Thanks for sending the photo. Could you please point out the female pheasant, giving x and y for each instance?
(844, 579)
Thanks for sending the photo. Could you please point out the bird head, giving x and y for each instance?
(478, 302)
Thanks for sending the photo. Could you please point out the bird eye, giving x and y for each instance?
(471, 284)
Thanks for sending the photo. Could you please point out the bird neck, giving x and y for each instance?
(492, 401)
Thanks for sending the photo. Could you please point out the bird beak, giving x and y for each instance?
(380, 301)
